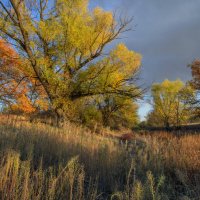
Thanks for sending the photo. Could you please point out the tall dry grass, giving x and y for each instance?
(38, 161)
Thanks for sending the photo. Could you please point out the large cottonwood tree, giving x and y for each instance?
(63, 45)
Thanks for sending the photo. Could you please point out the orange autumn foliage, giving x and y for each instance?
(23, 104)
(195, 67)
(15, 80)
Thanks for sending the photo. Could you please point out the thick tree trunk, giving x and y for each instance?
(167, 126)
(59, 118)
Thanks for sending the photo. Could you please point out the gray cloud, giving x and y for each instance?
(167, 34)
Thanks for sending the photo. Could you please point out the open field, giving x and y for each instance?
(38, 161)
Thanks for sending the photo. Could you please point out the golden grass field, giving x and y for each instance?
(38, 161)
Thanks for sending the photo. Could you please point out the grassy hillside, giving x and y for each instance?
(42, 162)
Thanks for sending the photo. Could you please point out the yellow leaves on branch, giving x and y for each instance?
(49, 29)
(122, 65)
(81, 29)
(127, 61)
(111, 73)
(75, 5)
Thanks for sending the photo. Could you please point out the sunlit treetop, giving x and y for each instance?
(171, 102)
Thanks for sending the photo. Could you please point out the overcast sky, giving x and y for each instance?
(166, 33)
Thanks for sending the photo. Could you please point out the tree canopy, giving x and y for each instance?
(61, 52)
(170, 103)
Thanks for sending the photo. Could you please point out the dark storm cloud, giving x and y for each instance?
(166, 33)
